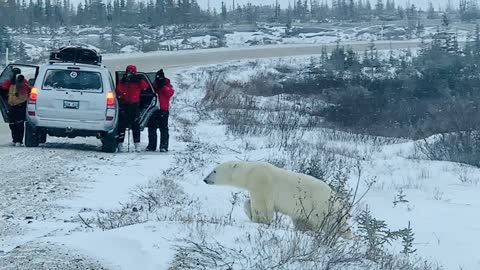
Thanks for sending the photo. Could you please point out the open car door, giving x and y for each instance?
(29, 71)
(148, 98)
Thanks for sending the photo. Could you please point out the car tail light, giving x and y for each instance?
(31, 113)
(33, 95)
(110, 106)
(110, 99)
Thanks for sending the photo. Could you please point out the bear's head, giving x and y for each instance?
(222, 174)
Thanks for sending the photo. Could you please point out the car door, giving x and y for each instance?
(148, 98)
(29, 71)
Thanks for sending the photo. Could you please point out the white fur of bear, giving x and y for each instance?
(305, 199)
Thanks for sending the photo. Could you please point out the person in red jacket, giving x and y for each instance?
(17, 90)
(128, 93)
(159, 120)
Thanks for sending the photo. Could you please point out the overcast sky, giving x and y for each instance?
(284, 3)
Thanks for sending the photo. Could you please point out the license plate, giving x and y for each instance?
(69, 104)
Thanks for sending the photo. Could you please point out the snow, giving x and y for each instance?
(440, 207)
(133, 247)
(129, 49)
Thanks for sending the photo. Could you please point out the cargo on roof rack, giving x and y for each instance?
(76, 54)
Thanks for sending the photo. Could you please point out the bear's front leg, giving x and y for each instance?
(262, 209)
(247, 207)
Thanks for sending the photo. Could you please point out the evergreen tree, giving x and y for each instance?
(277, 11)
(368, 8)
(477, 40)
(21, 53)
(379, 7)
(224, 11)
(171, 12)
(408, 237)
(431, 11)
(160, 12)
(5, 42)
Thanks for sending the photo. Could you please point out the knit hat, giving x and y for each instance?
(160, 74)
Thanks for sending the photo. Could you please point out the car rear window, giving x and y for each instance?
(77, 80)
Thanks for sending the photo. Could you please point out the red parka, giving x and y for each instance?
(164, 94)
(129, 91)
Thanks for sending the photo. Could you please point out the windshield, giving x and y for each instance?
(86, 81)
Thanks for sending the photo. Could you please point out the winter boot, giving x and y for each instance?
(120, 147)
(150, 149)
(137, 147)
(163, 149)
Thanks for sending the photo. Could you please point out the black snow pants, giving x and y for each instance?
(129, 117)
(159, 120)
(16, 115)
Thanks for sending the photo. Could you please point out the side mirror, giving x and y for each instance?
(31, 82)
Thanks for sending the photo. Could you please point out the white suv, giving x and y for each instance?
(72, 99)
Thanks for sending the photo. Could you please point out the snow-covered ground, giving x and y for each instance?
(67, 202)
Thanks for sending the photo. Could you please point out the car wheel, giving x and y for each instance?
(31, 136)
(109, 142)
(42, 137)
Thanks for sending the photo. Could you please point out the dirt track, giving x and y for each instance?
(153, 61)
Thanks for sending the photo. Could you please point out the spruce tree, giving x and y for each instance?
(21, 53)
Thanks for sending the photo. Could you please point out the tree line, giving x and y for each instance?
(55, 13)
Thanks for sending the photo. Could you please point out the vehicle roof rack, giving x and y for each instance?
(76, 54)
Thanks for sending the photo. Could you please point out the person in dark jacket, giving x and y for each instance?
(128, 93)
(159, 120)
(17, 90)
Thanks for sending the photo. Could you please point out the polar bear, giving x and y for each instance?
(308, 201)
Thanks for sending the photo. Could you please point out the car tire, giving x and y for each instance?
(109, 142)
(31, 136)
(42, 137)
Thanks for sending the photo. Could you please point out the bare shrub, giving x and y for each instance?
(184, 129)
(160, 194)
(193, 216)
(318, 161)
(187, 163)
(277, 161)
(242, 122)
(462, 147)
(215, 89)
(468, 176)
(186, 134)
(273, 249)
(113, 219)
(284, 128)
(263, 249)
(263, 83)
